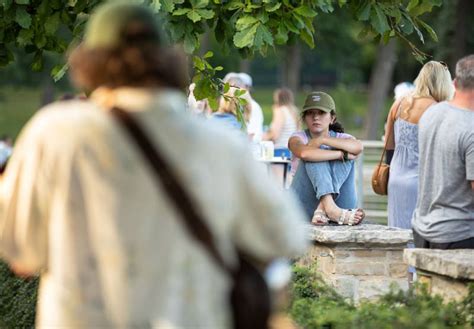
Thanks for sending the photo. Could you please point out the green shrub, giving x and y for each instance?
(17, 300)
(315, 305)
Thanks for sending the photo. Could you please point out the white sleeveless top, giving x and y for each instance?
(289, 127)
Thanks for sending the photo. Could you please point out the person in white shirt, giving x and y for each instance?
(79, 206)
(255, 125)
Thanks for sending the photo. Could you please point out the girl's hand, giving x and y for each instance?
(351, 156)
(347, 156)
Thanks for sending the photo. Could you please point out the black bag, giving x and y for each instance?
(250, 296)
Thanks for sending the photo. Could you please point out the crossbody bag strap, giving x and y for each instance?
(167, 178)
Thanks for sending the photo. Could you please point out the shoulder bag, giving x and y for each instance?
(250, 296)
(381, 172)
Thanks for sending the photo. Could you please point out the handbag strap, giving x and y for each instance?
(166, 177)
(386, 142)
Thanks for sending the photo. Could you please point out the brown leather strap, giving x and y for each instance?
(166, 177)
(388, 137)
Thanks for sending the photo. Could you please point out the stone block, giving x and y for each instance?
(373, 287)
(370, 253)
(310, 257)
(346, 286)
(456, 264)
(371, 268)
(449, 289)
(397, 270)
(326, 265)
(395, 255)
(364, 234)
(342, 253)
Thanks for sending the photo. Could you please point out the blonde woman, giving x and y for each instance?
(228, 111)
(284, 122)
(433, 85)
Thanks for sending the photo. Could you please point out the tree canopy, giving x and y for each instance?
(39, 26)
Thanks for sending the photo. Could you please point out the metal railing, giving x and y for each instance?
(374, 205)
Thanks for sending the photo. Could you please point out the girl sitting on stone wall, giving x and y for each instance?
(323, 165)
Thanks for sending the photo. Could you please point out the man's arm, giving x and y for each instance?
(472, 185)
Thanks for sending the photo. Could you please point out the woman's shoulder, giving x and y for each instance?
(342, 135)
(301, 134)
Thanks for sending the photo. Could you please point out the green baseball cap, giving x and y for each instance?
(109, 22)
(319, 100)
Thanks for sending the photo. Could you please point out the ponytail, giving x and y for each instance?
(336, 126)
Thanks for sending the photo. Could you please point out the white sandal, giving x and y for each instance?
(319, 218)
(345, 220)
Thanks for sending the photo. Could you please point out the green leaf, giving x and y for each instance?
(406, 24)
(423, 7)
(245, 38)
(22, 18)
(282, 35)
(6, 3)
(263, 17)
(213, 103)
(37, 64)
(218, 68)
(155, 5)
(23, 2)
(194, 16)
(52, 24)
(307, 37)
(234, 5)
(264, 33)
(181, 11)
(420, 35)
(305, 11)
(205, 88)
(58, 71)
(363, 13)
(168, 5)
(209, 54)
(289, 24)
(190, 43)
(299, 23)
(25, 37)
(226, 88)
(198, 4)
(412, 4)
(245, 22)
(428, 29)
(272, 7)
(198, 63)
(378, 20)
(177, 31)
(40, 40)
(205, 13)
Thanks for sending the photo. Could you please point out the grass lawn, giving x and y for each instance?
(17, 105)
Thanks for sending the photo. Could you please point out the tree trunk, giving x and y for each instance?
(463, 10)
(245, 66)
(380, 81)
(290, 70)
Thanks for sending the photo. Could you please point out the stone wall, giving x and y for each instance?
(445, 272)
(360, 262)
